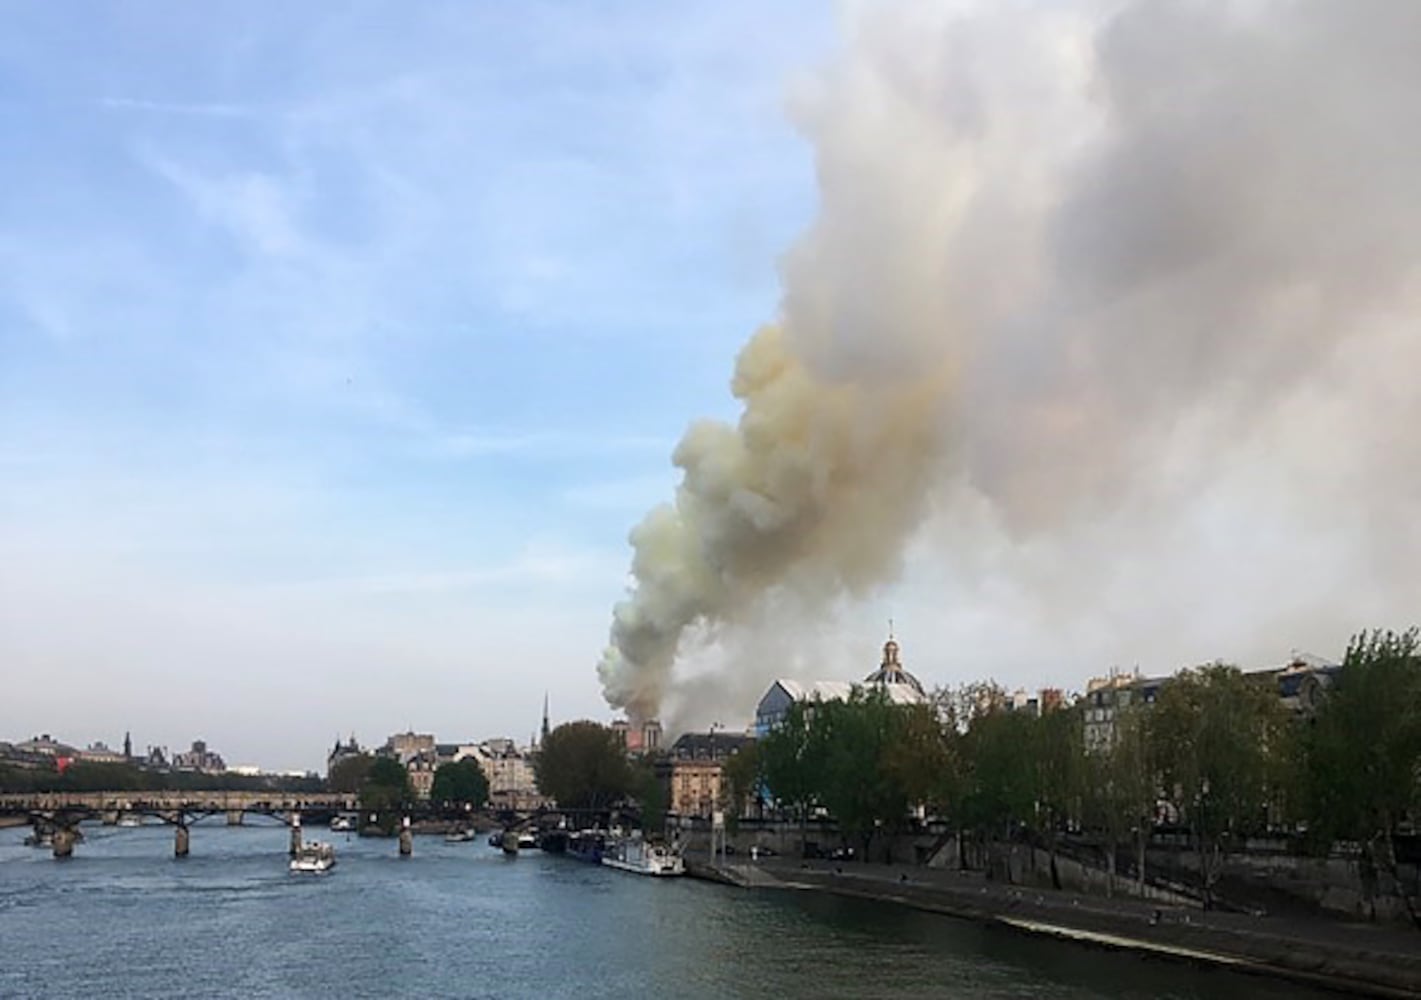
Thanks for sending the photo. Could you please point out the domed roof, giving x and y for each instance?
(890, 672)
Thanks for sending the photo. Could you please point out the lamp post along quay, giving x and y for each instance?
(717, 817)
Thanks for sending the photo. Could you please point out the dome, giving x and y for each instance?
(890, 672)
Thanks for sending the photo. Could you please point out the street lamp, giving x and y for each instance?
(713, 727)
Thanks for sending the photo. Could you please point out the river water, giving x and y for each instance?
(123, 918)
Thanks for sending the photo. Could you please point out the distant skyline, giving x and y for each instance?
(341, 348)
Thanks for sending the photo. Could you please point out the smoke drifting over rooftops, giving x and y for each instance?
(1065, 261)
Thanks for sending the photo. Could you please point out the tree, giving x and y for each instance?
(853, 739)
(462, 783)
(1364, 751)
(88, 776)
(13, 779)
(650, 793)
(386, 772)
(349, 773)
(921, 760)
(787, 763)
(1214, 733)
(1122, 788)
(583, 765)
(742, 780)
(1000, 792)
(386, 788)
(1059, 772)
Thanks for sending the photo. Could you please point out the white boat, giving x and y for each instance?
(130, 820)
(459, 836)
(527, 842)
(342, 824)
(633, 854)
(314, 856)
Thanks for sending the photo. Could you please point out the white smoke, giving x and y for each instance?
(1065, 259)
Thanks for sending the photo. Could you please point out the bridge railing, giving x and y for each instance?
(216, 801)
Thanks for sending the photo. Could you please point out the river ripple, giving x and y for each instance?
(124, 919)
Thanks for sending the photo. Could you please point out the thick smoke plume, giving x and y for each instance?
(1050, 241)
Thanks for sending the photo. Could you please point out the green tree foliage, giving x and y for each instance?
(788, 763)
(390, 773)
(1365, 742)
(82, 776)
(386, 789)
(582, 765)
(350, 773)
(461, 783)
(1215, 732)
(1059, 775)
(1364, 750)
(651, 794)
(1122, 788)
(866, 760)
(1000, 781)
(921, 758)
(855, 742)
(1217, 746)
(86, 776)
(742, 779)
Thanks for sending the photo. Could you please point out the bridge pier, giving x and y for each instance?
(180, 840)
(110, 817)
(406, 839)
(63, 841)
(234, 817)
(295, 834)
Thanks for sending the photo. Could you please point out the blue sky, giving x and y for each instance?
(340, 347)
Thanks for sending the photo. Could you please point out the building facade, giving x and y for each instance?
(1299, 684)
(99, 753)
(421, 767)
(342, 751)
(1106, 698)
(199, 758)
(891, 677)
(512, 778)
(692, 772)
(404, 746)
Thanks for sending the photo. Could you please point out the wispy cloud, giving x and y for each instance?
(259, 209)
(201, 110)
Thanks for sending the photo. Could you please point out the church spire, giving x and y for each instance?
(545, 730)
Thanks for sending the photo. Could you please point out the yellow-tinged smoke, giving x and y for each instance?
(820, 482)
(1066, 256)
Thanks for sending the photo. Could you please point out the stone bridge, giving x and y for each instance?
(56, 816)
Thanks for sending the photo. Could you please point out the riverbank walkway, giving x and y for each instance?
(1377, 960)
